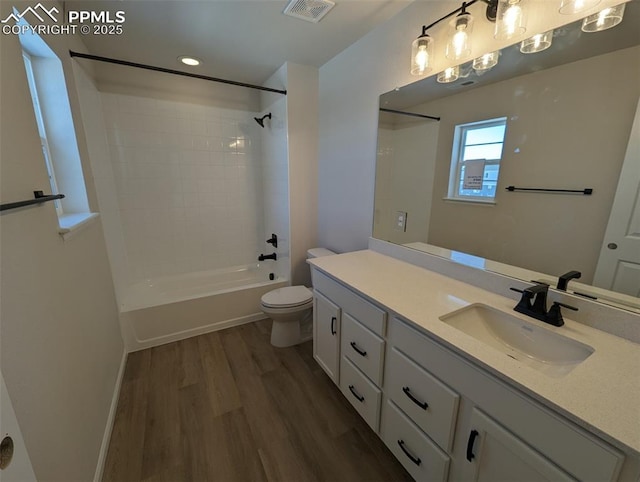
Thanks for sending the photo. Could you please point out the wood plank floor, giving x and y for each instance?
(227, 406)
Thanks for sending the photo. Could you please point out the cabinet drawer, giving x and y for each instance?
(581, 454)
(366, 313)
(428, 402)
(362, 394)
(363, 347)
(419, 455)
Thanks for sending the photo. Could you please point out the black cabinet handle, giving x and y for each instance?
(355, 347)
(333, 325)
(413, 459)
(355, 394)
(470, 442)
(407, 392)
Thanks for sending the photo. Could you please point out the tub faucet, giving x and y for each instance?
(563, 280)
(534, 304)
(262, 257)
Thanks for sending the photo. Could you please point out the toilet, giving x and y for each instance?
(291, 308)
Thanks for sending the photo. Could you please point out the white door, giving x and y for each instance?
(496, 455)
(619, 263)
(326, 335)
(19, 468)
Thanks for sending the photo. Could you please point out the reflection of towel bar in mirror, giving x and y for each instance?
(412, 114)
(587, 191)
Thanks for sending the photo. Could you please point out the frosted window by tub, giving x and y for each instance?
(52, 111)
(475, 160)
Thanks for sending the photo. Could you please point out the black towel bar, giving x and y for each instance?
(39, 198)
(587, 191)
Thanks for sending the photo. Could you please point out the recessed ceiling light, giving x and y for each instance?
(185, 59)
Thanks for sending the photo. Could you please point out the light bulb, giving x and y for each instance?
(486, 62)
(537, 43)
(510, 19)
(421, 54)
(459, 45)
(603, 20)
(450, 74)
(569, 7)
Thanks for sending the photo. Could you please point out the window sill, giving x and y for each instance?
(469, 201)
(70, 224)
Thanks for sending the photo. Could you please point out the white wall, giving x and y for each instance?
(290, 176)
(60, 347)
(404, 180)
(188, 179)
(350, 84)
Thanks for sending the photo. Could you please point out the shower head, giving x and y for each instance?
(260, 120)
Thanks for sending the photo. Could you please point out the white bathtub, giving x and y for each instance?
(169, 308)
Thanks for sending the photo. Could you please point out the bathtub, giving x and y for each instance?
(169, 308)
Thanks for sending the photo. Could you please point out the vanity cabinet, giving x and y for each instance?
(326, 335)
(443, 416)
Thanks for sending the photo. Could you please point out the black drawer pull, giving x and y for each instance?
(333, 325)
(355, 394)
(470, 442)
(355, 347)
(413, 459)
(422, 405)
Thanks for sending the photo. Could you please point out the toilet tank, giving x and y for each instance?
(318, 252)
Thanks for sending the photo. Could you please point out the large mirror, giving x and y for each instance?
(521, 174)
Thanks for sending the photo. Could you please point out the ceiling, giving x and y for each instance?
(245, 41)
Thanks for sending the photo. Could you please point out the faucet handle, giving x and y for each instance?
(554, 317)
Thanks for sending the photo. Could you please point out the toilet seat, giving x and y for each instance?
(287, 297)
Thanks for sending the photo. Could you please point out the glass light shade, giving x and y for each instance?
(604, 19)
(448, 75)
(459, 44)
(510, 19)
(569, 7)
(421, 55)
(537, 43)
(486, 62)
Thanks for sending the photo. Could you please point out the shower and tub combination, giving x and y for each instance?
(188, 194)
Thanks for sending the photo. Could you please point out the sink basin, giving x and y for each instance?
(535, 346)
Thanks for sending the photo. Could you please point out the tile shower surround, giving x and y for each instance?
(189, 184)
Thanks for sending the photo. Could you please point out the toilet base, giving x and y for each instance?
(288, 332)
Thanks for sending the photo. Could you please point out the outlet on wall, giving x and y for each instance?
(400, 221)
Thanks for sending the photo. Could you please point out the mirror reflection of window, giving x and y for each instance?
(475, 160)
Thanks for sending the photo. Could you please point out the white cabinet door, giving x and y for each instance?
(326, 335)
(494, 454)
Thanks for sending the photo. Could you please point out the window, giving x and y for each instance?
(475, 160)
(48, 88)
(28, 65)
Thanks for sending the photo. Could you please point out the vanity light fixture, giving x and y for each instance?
(569, 7)
(421, 54)
(459, 44)
(604, 19)
(537, 43)
(188, 60)
(448, 75)
(510, 19)
(486, 62)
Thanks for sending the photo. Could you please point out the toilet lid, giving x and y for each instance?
(287, 297)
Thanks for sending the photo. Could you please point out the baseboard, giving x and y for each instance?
(200, 330)
(106, 438)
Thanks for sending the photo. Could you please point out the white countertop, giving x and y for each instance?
(601, 394)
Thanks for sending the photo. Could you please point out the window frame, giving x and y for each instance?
(457, 155)
(46, 151)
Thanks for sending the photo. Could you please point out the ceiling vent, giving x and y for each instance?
(309, 10)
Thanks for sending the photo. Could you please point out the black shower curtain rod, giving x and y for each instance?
(172, 71)
(412, 114)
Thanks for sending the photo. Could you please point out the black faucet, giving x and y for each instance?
(563, 280)
(273, 240)
(534, 304)
(262, 257)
